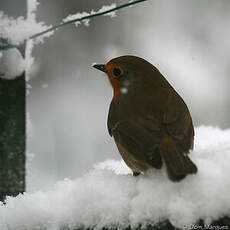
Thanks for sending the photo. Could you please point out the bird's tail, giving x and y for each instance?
(178, 164)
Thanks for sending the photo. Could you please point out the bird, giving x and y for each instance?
(148, 119)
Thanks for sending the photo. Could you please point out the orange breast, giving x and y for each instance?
(115, 82)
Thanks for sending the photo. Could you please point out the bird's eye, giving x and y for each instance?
(116, 72)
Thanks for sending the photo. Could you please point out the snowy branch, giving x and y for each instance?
(106, 11)
(14, 32)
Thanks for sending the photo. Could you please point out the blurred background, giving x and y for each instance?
(188, 41)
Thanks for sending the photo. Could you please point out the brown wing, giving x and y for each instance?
(178, 138)
(178, 122)
(139, 136)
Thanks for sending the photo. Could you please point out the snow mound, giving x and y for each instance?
(110, 196)
(12, 64)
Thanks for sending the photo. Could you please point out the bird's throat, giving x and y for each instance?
(116, 89)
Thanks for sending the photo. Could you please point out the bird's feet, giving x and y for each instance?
(136, 173)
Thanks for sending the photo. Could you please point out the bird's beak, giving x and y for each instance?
(101, 67)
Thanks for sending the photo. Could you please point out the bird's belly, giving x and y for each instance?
(134, 164)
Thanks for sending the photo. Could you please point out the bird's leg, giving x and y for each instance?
(136, 173)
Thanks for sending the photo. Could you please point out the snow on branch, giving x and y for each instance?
(77, 18)
(105, 10)
(109, 196)
(14, 32)
(30, 30)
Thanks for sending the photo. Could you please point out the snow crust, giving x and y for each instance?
(110, 196)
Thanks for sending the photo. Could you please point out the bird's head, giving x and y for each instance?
(127, 73)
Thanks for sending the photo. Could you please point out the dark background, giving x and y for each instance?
(188, 41)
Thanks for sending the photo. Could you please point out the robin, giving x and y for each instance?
(149, 121)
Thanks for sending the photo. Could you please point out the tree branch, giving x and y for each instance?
(8, 46)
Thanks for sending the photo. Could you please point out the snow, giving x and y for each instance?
(15, 32)
(12, 64)
(31, 8)
(78, 16)
(19, 29)
(85, 14)
(105, 8)
(29, 59)
(110, 196)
